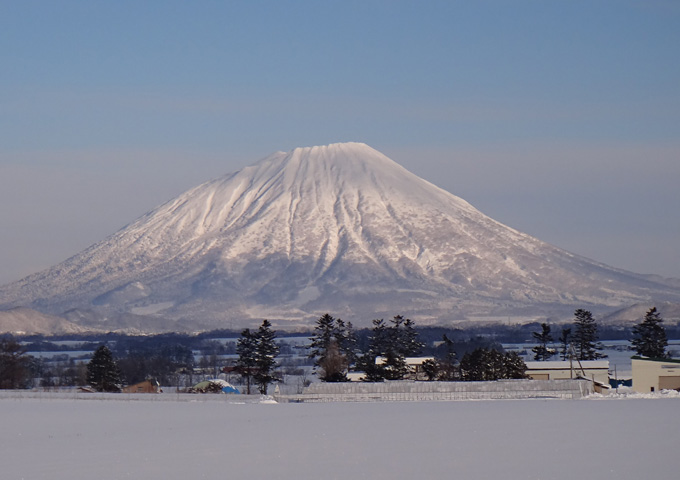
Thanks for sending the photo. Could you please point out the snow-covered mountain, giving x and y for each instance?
(338, 228)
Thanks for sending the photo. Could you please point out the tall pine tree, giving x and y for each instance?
(266, 351)
(585, 339)
(409, 344)
(377, 345)
(246, 364)
(102, 371)
(565, 342)
(348, 342)
(649, 337)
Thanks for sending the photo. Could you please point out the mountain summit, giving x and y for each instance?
(338, 228)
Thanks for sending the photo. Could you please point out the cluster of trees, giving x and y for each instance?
(20, 370)
(257, 351)
(480, 364)
(135, 359)
(489, 364)
(335, 350)
(649, 338)
(582, 344)
(389, 344)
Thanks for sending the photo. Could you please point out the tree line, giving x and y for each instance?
(580, 341)
(336, 348)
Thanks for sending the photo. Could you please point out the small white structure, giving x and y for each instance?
(655, 374)
(356, 376)
(594, 370)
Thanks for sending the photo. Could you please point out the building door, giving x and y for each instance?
(669, 383)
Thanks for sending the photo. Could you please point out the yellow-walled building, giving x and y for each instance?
(655, 374)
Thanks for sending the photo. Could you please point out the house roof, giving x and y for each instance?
(664, 360)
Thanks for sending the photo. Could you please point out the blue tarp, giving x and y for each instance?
(230, 389)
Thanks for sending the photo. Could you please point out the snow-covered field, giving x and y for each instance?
(219, 436)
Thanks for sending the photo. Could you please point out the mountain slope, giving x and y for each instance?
(26, 321)
(338, 228)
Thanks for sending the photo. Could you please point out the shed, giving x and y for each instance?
(655, 374)
(595, 370)
(147, 386)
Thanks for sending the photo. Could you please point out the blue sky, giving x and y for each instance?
(558, 118)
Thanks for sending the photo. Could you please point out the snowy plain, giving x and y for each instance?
(172, 436)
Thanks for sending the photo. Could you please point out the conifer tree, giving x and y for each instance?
(394, 353)
(565, 340)
(348, 342)
(474, 365)
(447, 364)
(378, 344)
(513, 366)
(266, 351)
(394, 365)
(102, 371)
(403, 343)
(324, 331)
(408, 342)
(649, 337)
(247, 362)
(541, 351)
(585, 339)
(431, 369)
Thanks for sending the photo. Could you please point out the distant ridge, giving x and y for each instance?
(24, 321)
(338, 228)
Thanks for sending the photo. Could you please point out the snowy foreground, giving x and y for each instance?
(219, 436)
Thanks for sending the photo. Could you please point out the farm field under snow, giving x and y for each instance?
(120, 437)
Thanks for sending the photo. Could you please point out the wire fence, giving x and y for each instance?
(406, 391)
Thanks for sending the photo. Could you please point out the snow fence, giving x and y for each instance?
(410, 391)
